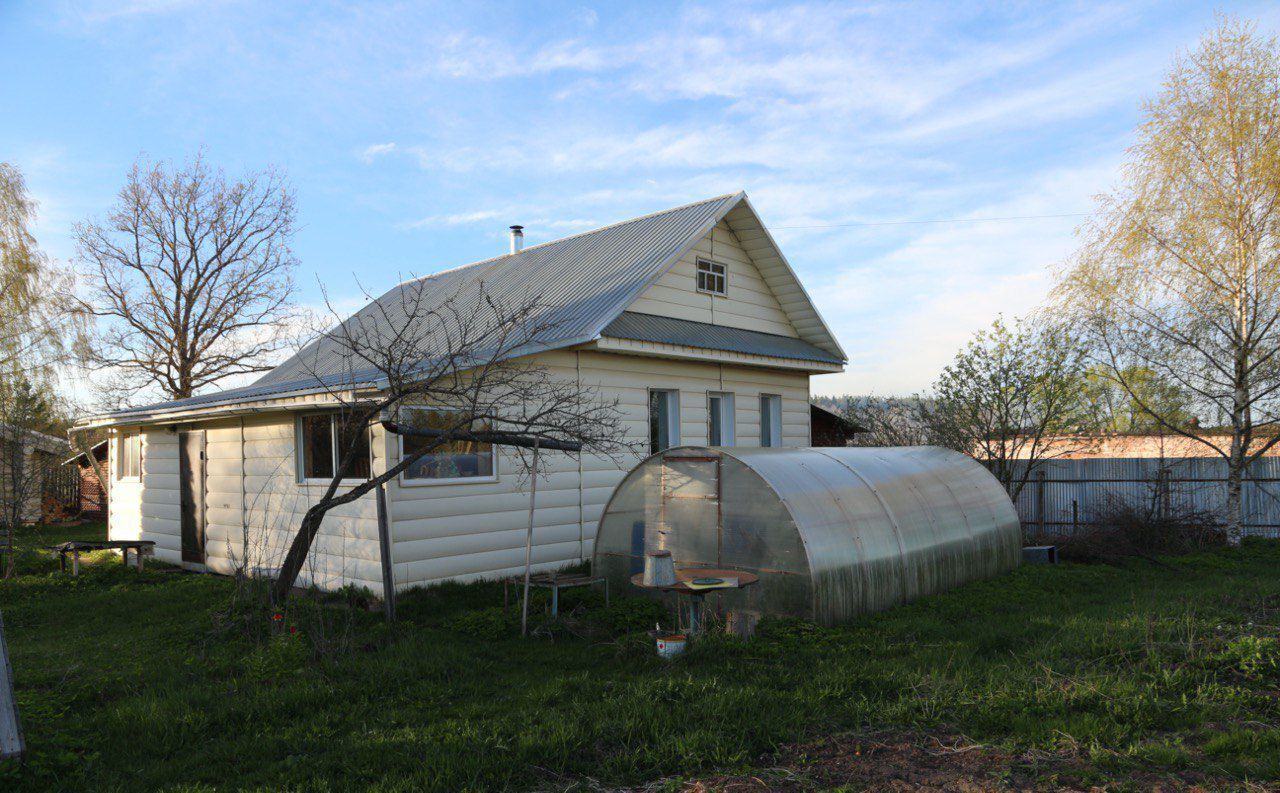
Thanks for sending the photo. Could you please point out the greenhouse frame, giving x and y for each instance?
(833, 533)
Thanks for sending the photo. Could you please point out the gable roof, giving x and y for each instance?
(586, 281)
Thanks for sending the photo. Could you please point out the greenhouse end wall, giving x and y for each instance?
(833, 533)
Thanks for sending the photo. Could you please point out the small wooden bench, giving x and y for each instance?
(140, 549)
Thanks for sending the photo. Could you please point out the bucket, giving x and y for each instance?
(671, 646)
(659, 569)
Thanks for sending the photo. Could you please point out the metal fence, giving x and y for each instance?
(1063, 494)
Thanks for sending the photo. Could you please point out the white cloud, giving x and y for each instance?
(454, 219)
(372, 152)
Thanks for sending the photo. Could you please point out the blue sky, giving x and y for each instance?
(415, 133)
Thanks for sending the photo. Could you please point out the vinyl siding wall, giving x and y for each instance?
(460, 531)
(750, 303)
(255, 503)
(147, 508)
(477, 530)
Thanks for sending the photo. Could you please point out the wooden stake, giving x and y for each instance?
(384, 548)
(528, 543)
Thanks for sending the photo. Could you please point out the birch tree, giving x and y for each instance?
(35, 317)
(1179, 270)
(191, 277)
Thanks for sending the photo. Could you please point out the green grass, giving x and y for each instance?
(129, 682)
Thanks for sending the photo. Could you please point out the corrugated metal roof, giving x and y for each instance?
(704, 336)
(584, 282)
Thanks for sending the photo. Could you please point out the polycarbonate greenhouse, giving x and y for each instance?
(833, 533)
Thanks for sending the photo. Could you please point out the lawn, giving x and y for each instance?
(134, 682)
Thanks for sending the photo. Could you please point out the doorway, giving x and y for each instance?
(191, 469)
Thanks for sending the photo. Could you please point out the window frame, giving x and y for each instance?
(728, 409)
(406, 481)
(299, 458)
(673, 418)
(775, 420)
(710, 272)
(123, 438)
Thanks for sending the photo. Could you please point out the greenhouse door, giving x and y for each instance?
(691, 498)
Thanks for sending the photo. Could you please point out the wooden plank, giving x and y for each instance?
(12, 744)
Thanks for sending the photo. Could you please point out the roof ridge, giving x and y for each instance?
(596, 230)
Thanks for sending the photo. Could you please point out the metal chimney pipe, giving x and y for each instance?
(517, 239)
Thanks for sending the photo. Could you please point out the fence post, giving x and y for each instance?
(1162, 494)
(1040, 477)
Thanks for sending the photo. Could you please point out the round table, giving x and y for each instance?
(696, 596)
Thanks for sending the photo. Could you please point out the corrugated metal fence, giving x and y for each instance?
(1065, 493)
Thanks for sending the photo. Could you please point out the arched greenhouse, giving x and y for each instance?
(833, 533)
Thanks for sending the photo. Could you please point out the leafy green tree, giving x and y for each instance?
(34, 314)
(1011, 398)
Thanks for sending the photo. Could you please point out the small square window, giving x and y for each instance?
(320, 455)
(130, 455)
(720, 424)
(664, 420)
(770, 420)
(452, 460)
(713, 277)
(317, 447)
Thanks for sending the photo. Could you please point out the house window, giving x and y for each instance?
(770, 420)
(469, 460)
(323, 438)
(713, 277)
(720, 429)
(130, 466)
(664, 420)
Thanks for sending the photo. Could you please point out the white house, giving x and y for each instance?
(692, 311)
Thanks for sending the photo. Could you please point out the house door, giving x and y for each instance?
(191, 459)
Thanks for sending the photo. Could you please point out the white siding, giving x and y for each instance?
(450, 531)
(147, 508)
(469, 531)
(750, 303)
(255, 504)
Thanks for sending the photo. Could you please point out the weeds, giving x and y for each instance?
(152, 681)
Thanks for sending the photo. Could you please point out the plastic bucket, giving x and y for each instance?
(671, 646)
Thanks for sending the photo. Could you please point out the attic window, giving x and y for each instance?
(713, 277)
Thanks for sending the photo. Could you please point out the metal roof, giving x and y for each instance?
(585, 281)
(687, 333)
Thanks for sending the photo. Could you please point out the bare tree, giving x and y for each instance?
(192, 277)
(888, 421)
(1012, 398)
(466, 357)
(1179, 273)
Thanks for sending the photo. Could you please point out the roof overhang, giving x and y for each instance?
(685, 353)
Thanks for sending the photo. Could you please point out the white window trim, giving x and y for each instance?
(729, 409)
(673, 418)
(712, 292)
(775, 421)
(300, 465)
(405, 481)
(120, 439)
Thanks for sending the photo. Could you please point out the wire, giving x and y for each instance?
(944, 220)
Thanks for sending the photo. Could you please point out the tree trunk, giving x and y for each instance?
(297, 555)
(1235, 482)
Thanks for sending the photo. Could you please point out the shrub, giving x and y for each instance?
(1120, 528)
